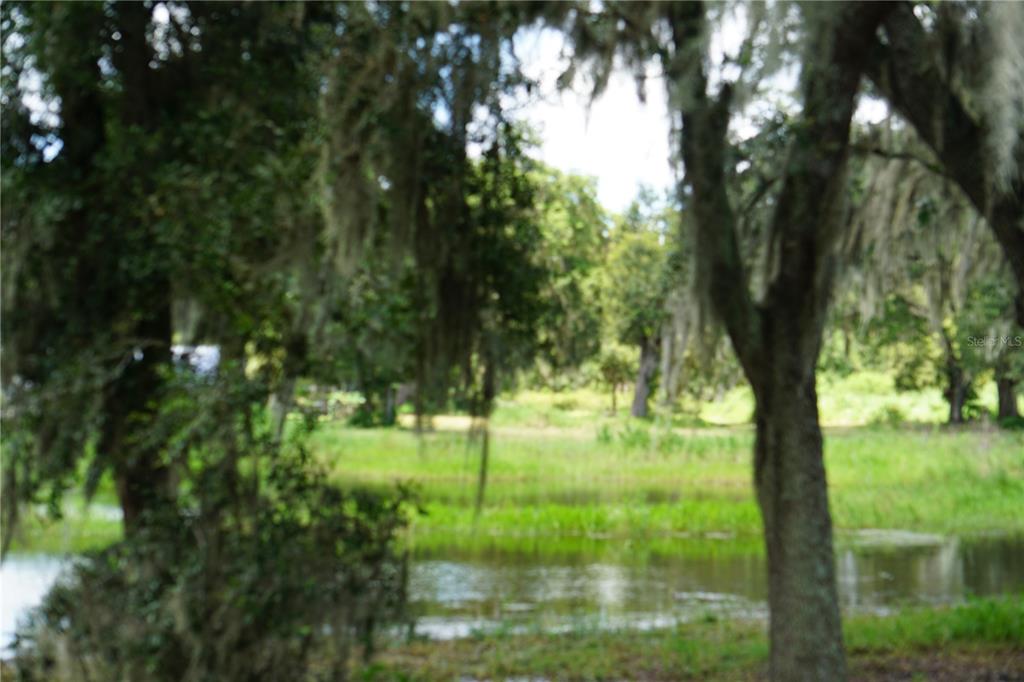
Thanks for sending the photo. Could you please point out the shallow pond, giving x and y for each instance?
(455, 593)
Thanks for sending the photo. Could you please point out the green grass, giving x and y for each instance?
(644, 481)
(563, 469)
(648, 484)
(859, 399)
(969, 637)
(992, 621)
(854, 400)
(570, 548)
(70, 535)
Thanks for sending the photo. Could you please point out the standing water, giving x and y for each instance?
(454, 593)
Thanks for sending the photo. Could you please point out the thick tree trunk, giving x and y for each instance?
(142, 479)
(142, 483)
(778, 340)
(1006, 387)
(805, 630)
(645, 377)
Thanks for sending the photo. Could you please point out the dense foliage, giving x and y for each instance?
(340, 196)
(283, 589)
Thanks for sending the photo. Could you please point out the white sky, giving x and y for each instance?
(616, 139)
(620, 141)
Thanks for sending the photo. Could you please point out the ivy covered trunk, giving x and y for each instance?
(805, 630)
(141, 478)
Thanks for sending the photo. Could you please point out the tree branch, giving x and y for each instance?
(906, 73)
(705, 124)
(808, 216)
(874, 150)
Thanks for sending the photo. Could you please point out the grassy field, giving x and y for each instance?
(564, 470)
(979, 640)
(645, 481)
(648, 483)
(859, 399)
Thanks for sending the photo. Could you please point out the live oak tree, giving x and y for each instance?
(152, 178)
(916, 237)
(232, 159)
(777, 338)
(634, 291)
(953, 71)
(168, 170)
(573, 248)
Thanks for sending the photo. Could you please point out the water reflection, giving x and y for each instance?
(455, 593)
(880, 577)
(460, 592)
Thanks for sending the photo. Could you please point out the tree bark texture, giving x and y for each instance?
(805, 630)
(1007, 389)
(957, 388)
(645, 376)
(778, 340)
(141, 478)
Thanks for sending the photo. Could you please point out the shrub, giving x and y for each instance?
(889, 415)
(283, 590)
(635, 437)
(1013, 423)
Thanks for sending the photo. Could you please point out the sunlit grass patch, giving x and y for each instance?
(646, 480)
(70, 535)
